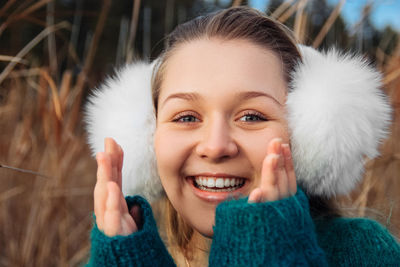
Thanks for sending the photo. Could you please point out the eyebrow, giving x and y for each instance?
(184, 96)
(254, 94)
(241, 96)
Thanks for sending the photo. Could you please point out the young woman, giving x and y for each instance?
(222, 140)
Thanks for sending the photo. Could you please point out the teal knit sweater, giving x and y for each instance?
(278, 233)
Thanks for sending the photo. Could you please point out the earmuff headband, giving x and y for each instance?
(337, 116)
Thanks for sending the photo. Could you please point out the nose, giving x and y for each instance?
(216, 141)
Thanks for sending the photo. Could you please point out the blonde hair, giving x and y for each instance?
(229, 24)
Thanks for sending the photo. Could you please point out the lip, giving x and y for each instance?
(217, 197)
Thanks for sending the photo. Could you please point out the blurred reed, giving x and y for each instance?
(44, 218)
(378, 197)
(46, 214)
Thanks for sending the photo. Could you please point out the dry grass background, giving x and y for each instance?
(45, 215)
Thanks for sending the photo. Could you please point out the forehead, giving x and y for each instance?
(212, 66)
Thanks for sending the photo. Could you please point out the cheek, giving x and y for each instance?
(256, 146)
(163, 148)
(171, 150)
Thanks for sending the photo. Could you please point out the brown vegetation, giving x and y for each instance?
(46, 213)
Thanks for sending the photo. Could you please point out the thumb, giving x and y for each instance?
(255, 196)
(136, 214)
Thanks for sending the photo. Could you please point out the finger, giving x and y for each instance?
(100, 189)
(274, 146)
(255, 196)
(270, 194)
(112, 215)
(100, 197)
(259, 195)
(268, 177)
(268, 184)
(292, 184)
(124, 205)
(136, 214)
(111, 148)
(103, 167)
(120, 164)
(282, 179)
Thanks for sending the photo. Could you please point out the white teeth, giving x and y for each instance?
(219, 183)
(227, 182)
(215, 184)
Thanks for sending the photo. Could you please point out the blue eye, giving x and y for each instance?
(253, 117)
(186, 119)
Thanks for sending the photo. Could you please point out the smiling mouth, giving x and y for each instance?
(218, 184)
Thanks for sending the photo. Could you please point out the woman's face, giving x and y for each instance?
(221, 102)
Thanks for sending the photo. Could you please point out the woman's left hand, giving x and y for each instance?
(278, 179)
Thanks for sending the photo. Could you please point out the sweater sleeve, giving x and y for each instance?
(142, 248)
(358, 242)
(276, 233)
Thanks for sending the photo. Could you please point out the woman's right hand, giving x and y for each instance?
(110, 208)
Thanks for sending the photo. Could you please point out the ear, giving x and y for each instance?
(122, 108)
(337, 116)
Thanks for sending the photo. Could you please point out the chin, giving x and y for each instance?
(202, 221)
(206, 231)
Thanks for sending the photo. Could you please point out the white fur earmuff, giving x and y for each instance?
(337, 115)
(122, 108)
